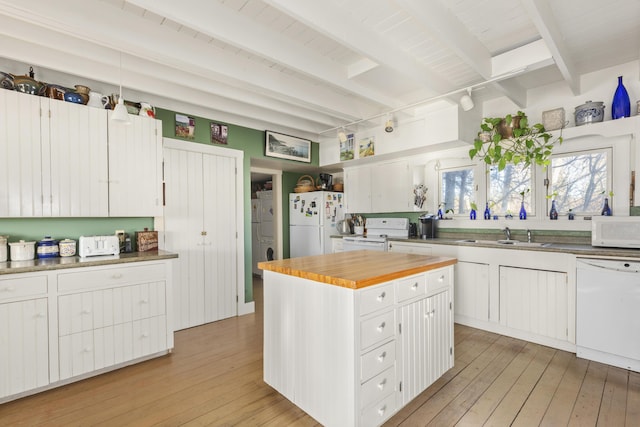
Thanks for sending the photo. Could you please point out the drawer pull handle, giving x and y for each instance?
(381, 327)
(415, 286)
(382, 296)
(441, 278)
(9, 289)
(430, 313)
(382, 356)
(382, 383)
(144, 301)
(145, 335)
(117, 276)
(382, 410)
(86, 311)
(86, 350)
(40, 315)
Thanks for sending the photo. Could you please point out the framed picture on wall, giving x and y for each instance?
(287, 147)
(218, 133)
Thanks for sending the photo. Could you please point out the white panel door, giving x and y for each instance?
(135, 167)
(391, 189)
(183, 234)
(357, 187)
(220, 240)
(24, 346)
(471, 291)
(21, 164)
(77, 144)
(534, 301)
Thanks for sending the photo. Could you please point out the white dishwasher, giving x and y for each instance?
(608, 311)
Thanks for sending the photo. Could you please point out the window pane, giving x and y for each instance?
(505, 187)
(457, 190)
(579, 181)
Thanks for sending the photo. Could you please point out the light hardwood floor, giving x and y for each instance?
(214, 377)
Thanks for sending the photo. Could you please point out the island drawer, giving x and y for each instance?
(378, 387)
(382, 296)
(377, 329)
(379, 412)
(18, 287)
(377, 360)
(412, 286)
(438, 279)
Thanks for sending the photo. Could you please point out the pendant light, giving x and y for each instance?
(120, 113)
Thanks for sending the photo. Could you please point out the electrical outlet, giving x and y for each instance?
(119, 232)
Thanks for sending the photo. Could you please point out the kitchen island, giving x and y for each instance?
(352, 337)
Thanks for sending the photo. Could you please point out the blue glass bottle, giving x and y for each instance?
(472, 214)
(523, 211)
(487, 212)
(606, 210)
(553, 213)
(440, 215)
(621, 106)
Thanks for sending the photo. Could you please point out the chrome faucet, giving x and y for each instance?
(507, 233)
(528, 235)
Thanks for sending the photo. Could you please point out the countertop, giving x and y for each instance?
(34, 265)
(356, 269)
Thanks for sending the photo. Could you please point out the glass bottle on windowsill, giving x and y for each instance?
(553, 213)
(606, 210)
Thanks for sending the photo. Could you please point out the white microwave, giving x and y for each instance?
(616, 232)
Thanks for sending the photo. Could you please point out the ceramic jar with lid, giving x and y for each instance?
(589, 112)
(22, 251)
(67, 247)
(48, 248)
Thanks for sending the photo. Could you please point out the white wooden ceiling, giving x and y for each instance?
(305, 67)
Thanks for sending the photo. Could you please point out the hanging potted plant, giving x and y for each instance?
(511, 139)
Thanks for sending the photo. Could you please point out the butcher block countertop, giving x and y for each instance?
(356, 269)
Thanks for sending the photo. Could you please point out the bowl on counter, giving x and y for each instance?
(22, 251)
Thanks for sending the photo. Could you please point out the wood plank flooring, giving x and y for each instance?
(214, 377)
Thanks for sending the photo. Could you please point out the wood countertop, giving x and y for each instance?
(356, 269)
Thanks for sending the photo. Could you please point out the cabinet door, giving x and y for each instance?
(391, 187)
(20, 155)
(471, 291)
(135, 167)
(77, 185)
(534, 301)
(357, 184)
(24, 349)
(426, 339)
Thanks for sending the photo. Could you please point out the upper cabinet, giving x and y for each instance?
(60, 159)
(383, 187)
(135, 167)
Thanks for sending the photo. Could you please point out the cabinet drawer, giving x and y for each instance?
(377, 329)
(413, 286)
(18, 287)
(379, 412)
(438, 279)
(377, 360)
(378, 387)
(111, 276)
(380, 297)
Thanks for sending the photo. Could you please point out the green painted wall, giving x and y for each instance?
(251, 142)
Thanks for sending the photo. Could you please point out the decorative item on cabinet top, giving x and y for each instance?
(305, 184)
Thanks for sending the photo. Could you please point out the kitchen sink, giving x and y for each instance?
(505, 242)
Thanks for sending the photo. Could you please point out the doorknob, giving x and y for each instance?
(203, 233)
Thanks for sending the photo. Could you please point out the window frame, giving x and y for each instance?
(474, 189)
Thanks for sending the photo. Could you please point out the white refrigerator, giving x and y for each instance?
(312, 220)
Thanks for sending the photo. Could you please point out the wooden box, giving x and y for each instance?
(147, 240)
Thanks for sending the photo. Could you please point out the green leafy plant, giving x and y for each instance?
(473, 206)
(511, 139)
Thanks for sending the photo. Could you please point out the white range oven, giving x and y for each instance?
(378, 232)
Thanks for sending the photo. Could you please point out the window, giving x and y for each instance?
(457, 187)
(505, 187)
(579, 180)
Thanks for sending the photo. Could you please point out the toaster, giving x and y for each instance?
(98, 245)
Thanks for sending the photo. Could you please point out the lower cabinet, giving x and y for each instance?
(72, 323)
(355, 357)
(471, 292)
(24, 334)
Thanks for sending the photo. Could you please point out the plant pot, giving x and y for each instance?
(506, 130)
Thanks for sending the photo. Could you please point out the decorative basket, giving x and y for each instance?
(305, 184)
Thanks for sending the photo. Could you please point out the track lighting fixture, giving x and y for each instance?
(466, 102)
(388, 125)
(342, 135)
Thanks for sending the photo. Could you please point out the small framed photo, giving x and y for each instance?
(219, 133)
(287, 147)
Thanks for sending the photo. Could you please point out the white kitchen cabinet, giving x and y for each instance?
(111, 315)
(202, 223)
(471, 292)
(24, 336)
(535, 301)
(410, 248)
(383, 187)
(135, 167)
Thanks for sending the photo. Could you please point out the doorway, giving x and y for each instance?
(266, 216)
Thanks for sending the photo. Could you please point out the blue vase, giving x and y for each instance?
(472, 214)
(440, 215)
(606, 210)
(523, 211)
(487, 212)
(621, 106)
(553, 213)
